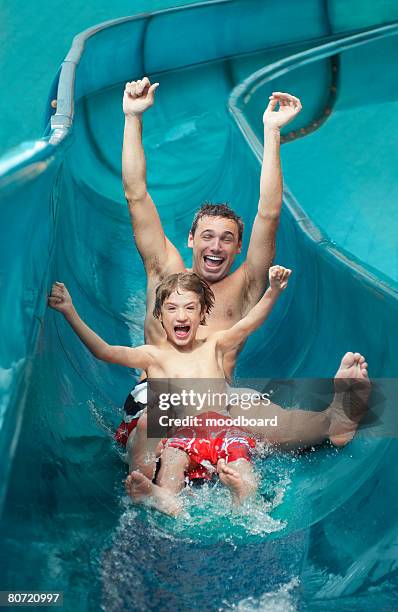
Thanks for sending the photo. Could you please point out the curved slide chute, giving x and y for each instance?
(329, 535)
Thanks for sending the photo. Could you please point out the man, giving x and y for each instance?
(215, 239)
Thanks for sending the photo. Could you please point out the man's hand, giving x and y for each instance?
(138, 96)
(59, 299)
(278, 277)
(289, 107)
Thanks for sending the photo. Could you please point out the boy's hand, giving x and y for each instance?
(279, 277)
(59, 299)
(138, 96)
(289, 107)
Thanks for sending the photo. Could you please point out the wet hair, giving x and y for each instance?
(187, 281)
(217, 210)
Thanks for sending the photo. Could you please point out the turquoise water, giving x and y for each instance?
(323, 533)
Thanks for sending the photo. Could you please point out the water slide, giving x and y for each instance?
(324, 535)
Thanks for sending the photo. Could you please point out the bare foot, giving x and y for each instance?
(143, 490)
(233, 480)
(138, 486)
(352, 389)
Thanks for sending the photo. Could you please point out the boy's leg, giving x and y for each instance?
(239, 477)
(163, 497)
(302, 428)
(172, 471)
(142, 451)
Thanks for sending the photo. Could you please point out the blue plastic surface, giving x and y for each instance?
(328, 537)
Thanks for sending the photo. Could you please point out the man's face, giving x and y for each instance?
(215, 246)
(181, 314)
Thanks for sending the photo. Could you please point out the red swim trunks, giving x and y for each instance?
(206, 443)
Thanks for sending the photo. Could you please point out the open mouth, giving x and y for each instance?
(182, 331)
(212, 261)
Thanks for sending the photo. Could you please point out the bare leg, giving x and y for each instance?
(238, 476)
(294, 429)
(171, 475)
(141, 450)
(162, 496)
(302, 428)
(143, 490)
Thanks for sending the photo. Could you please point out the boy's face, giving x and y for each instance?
(215, 246)
(181, 315)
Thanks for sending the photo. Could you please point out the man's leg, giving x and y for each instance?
(303, 428)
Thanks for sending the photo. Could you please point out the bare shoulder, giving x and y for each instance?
(211, 341)
(208, 341)
(233, 284)
(205, 347)
(235, 287)
(151, 350)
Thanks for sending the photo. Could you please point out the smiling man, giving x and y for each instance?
(216, 232)
(215, 239)
(216, 245)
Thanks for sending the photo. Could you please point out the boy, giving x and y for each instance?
(182, 302)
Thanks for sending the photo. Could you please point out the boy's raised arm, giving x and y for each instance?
(156, 251)
(61, 300)
(232, 338)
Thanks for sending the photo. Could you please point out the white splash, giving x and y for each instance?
(281, 600)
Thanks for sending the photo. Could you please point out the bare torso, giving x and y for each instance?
(202, 361)
(198, 370)
(228, 309)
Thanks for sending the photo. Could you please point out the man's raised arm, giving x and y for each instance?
(261, 250)
(156, 250)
